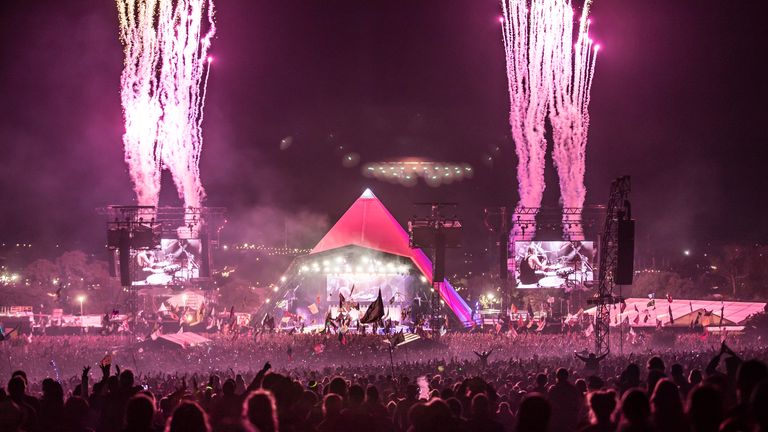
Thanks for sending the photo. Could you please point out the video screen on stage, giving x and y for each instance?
(173, 261)
(366, 288)
(554, 264)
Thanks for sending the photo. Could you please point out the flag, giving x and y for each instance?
(658, 323)
(319, 348)
(707, 318)
(313, 309)
(397, 339)
(636, 309)
(669, 297)
(542, 324)
(646, 317)
(514, 309)
(671, 318)
(588, 332)
(512, 332)
(231, 314)
(637, 319)
(341, 300)
(530, 310)
(374, 312)
(722, 313)
(652, 303)
(623, 306)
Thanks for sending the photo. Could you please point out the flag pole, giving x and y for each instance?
(391, 361)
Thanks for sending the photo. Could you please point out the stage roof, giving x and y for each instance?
(684, 311)
(367, 223)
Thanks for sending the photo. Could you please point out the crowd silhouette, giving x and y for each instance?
(664, 390)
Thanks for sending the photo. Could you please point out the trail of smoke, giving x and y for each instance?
(528, 48)
(166, 52)
(569, 115)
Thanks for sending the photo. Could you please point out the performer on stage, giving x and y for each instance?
(528, 267)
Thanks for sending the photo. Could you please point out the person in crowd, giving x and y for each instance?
(667, 407)
(188, 417)
(568, 400)
(602, 404)
(635, 412)
(533, 415)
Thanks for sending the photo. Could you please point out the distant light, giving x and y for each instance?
(501, 19)
(282, 278)
(686, 252)
(81, 298)
(597, 47)
(266, 301)
(210, 59)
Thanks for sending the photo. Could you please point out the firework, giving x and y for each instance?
(548, 75)
(163, 84)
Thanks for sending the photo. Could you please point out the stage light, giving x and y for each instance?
(266, 301)
(282, 278)
(686, 252)
(423, 279)
(274, 289)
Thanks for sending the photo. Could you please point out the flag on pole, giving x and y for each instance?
(722, 313)
(341, 301)
(542, 324)
(530, 310)
(374, 312)
(671, 318)
(623, 306)
(313, 309)
(588, 332)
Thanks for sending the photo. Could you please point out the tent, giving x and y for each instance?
(367, 226)
(181, 340)
(684, 312)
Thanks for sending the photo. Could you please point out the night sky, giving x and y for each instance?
(679, 102)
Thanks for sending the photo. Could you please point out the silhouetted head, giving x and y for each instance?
(656, 363)
(332, 405)
(126, 379)
(356, 394)
(749, 375)
(705, 407)
(602, 404)
(533, 415)
(188, 417)
(562, 375)
(480, 406)
(635, 408)
(139, 413)
(229, 387)
(260, 410)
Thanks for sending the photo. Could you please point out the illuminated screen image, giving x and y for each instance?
(554, 264)
(174, 261)
(366, 288)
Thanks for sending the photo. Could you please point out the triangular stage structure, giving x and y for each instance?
(368, 224)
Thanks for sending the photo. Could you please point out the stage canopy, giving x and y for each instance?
(643, 312)
(181, 340)
(368, 227)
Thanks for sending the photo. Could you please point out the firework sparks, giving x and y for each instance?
(569, 113)
(163, 83)
(548, 74)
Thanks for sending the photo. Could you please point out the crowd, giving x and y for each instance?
(463, 382)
